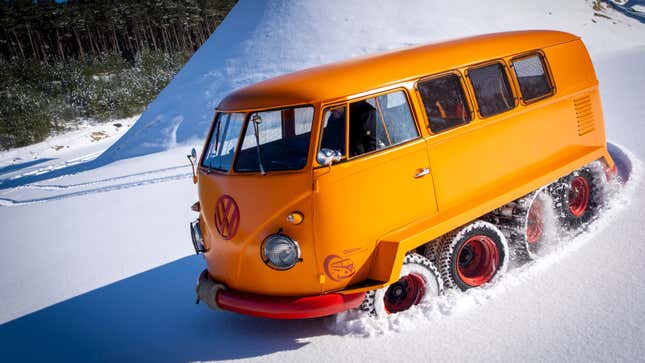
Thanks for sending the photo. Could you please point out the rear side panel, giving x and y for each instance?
(492, 161)
(488, 157)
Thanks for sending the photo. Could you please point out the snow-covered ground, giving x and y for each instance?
(97, 265)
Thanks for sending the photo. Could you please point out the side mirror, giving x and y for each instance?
(328, 156)
(192, 157)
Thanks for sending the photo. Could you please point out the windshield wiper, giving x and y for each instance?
(257, 120)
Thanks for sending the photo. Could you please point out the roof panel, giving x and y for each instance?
(353, 76)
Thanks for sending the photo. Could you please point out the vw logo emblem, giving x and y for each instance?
(227, 216)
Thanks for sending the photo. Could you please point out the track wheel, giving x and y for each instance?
(578, 196)
(536, 228)
(418, 282)
(473, 255)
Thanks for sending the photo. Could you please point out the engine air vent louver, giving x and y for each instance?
(584, 115)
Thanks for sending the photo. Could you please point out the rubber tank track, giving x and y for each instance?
(511, 219)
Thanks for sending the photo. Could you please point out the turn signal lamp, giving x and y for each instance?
(295, 218)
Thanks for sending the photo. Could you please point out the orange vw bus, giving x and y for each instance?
(377, 182)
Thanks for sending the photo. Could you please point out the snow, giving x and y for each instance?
(97, 264)
(85, 143)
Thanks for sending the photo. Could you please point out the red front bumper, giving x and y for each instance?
(276, 307)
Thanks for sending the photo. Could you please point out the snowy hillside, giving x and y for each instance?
(97, 264)
(264, 38)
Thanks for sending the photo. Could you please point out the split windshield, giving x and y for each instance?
(271, 140)
(221, 146)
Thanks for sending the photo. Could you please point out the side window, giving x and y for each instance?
(445, 103)
(532, 78)
(492, 90)
(398, 119)
(379, 122)
(333, 135)
(366, 128)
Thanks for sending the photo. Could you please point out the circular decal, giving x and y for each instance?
(339, 268)
(227, 216)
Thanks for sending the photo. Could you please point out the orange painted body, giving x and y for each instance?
(363, 214)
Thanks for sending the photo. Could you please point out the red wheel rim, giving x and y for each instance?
(579, 196)
(477, 260)
(401, 295)
(535, 222)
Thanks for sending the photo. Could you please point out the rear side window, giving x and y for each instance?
(492, 90)
(532, 78)
(445, 103)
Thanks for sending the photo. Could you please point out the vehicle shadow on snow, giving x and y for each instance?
(49, 174)
(18, 166)
(148, 317)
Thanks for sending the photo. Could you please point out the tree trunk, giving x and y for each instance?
(179, 44)
(115, 41)
(31, 41)
(165, 38)
(60, 47)
(152, 35)
(89, 37)
(189, 36)
(204, 32)
(42, 46)
(10, 47)
(78, 42)
(142, 40)
(101, 40)
(129, 40)
(22, 52)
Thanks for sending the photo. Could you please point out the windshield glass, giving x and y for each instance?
(221, 147)
(283, 138)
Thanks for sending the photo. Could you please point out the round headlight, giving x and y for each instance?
(280, 252)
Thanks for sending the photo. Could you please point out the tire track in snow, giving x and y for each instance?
(100, 181)
(8, 202)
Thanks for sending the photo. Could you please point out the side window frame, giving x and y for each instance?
(323, 110)
(547, 72)
(509, 81)
(346, 104)
(467, 98)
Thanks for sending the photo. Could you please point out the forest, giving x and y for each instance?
(62, 62)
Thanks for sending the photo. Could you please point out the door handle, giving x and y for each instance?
(422, 172)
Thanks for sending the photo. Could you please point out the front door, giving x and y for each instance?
(382, 183)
